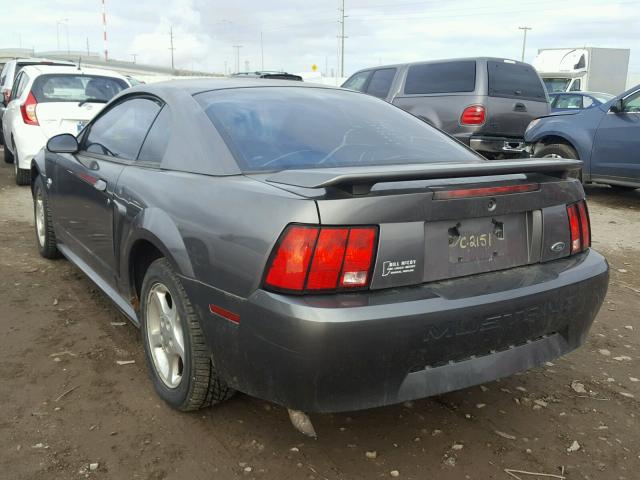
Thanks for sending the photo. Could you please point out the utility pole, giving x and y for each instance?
(342, 37)
(88, 51)
(524, 40)
(261, 53)
(171, 47)
(134, 55)
(104, 31)
(225, 67)
(237, 48)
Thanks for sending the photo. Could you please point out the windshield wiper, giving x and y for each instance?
(92, 100)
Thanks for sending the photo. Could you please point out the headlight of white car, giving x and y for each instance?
(532, 124)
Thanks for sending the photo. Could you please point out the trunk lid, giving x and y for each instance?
(65, 117)
(447, 220)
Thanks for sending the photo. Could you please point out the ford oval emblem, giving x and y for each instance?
(557, 247)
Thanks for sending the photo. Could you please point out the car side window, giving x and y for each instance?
(155, 145)
(380, 82)
(120, 132)
(587, 102)
(575, 86)
(357, 81)
(632, 104)
(18, 86)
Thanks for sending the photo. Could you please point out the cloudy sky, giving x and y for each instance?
(297, 34)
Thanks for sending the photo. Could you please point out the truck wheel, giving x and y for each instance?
(181, 368)
(556, 150)
(45, 236)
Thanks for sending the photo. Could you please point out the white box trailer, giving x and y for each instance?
(583, 69)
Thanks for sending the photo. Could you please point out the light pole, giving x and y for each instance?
(524, 40)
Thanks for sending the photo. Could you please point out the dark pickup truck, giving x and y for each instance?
(485, 103)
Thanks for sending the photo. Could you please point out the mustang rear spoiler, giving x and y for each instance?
(361, 179)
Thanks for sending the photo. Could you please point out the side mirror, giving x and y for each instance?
(617, 106)
(63, 143)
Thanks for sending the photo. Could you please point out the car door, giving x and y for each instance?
(85, 183)
(12, 113)
(616, 147)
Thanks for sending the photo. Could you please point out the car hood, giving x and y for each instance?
(565, 112)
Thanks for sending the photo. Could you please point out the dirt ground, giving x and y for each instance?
(66, 404)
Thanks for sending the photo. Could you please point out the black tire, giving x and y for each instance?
(47, 246)
(8, 156)
(558, 150)
(23, 176)
(561, 150)
(200, 385)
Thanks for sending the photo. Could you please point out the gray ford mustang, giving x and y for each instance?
(316, 247)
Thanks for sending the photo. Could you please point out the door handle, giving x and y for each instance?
(519, 107)
(100, 185)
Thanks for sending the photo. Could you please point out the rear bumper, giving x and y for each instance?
(504, 145)
(363, 350)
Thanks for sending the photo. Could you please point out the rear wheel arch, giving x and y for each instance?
(142, 254)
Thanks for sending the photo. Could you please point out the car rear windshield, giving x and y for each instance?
(76, 88)
(277, 128)
(445, 77)
(514, 80)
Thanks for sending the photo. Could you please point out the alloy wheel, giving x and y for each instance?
(165, 336)
(40, 228)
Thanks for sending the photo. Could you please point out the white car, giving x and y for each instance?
(49, 100)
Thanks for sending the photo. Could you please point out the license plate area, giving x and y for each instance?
(477, 239)
(455, 248)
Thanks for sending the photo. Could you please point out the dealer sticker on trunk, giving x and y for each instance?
(398, 266)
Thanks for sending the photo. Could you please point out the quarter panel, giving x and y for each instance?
(218, 230)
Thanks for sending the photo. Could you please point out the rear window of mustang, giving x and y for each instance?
(76, 88)
(278, 128)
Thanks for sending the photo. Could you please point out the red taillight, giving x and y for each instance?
(473, 115)
(579, 228)
(485, 191)
(28, 110)
(327, 259)
(358, 258)
(314, 259)
(290, 264)
(585, 226)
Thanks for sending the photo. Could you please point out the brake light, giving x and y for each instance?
(585, 225)
(485, 191)
(28, 110)
(322, 259)
(473, 115)
(579, 227)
